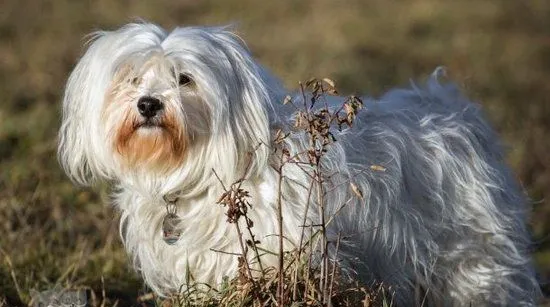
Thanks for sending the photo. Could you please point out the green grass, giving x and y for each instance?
(54, 233)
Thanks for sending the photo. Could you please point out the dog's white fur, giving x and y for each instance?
(446, 215)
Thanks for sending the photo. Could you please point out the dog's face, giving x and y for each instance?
(144, 102)
(151, 114)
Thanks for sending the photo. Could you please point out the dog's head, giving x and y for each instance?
(145, 102)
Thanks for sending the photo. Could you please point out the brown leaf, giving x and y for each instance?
(329, 82)
(222, 198)
(358, 101)
(310, 82)
(348, 108)
(287, 99)
(355, 189)
(378, 168)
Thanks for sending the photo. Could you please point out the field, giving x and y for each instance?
(53, 233)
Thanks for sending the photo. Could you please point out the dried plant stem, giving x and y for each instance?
(254, 245)
(308, 268)
(335, 260)
(324, 242)
(244, 250)
(247, 220)
(280, 286)
(300, 245)
(239, 232)
(225, 252)
(306, 272)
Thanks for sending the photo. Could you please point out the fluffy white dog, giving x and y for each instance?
(154, 112)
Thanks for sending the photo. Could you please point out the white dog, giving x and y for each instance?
(154, 112)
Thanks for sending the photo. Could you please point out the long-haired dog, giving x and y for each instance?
(155, 112)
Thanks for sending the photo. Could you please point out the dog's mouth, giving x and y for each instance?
(149, 124)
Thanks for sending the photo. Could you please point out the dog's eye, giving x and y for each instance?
(184, 79)
(134, 81)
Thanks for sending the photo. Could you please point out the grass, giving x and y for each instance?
(55, 233)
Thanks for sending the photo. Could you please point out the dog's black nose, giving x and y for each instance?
(149, 106)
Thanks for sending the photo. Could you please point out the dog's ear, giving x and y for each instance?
(81, 99)
(251, 111)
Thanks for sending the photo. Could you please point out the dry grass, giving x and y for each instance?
(54, 233)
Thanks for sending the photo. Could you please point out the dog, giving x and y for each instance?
(168, 118)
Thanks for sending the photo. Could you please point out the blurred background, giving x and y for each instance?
(52, 233)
